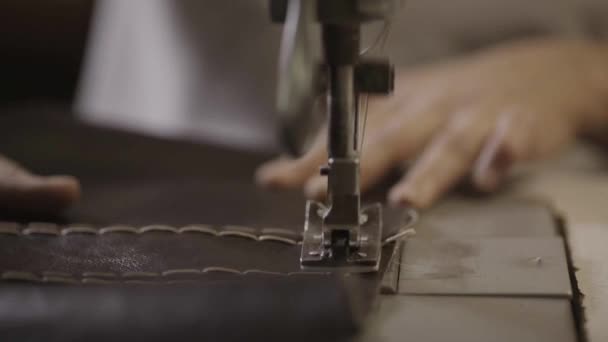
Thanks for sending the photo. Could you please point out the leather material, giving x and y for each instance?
(167, 255)
(275, 309)
(81, 253)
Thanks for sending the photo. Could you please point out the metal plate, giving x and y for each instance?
(504, 266)
(368, 257)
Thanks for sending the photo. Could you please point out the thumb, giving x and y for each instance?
(23, 193)
(287, 173)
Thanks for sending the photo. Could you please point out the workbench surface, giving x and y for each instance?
(576, 183)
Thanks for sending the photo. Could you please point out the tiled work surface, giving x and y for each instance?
(495, 217)
(460, 282)
(488, 266)
(576, 183)
(471, 319)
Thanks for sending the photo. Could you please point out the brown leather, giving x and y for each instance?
(161, 189)
(81, 253)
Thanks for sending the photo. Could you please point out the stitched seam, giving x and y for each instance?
(92, 277)
(266, 234)
(164, 277)
(262, 235)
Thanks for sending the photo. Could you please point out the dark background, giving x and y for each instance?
(41, 48)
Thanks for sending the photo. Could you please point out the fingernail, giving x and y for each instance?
(488, 179)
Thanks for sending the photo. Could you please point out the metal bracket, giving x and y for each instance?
(316, 250)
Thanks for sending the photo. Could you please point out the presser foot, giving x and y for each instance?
(319, 250)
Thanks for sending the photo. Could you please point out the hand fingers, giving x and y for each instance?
(515, 139)
(41, 195)
(396, 130)
(505, 146)
(388, 142)
(24, 193)
(400, 139)
(292, 173)
(316, 188)
(446, 160)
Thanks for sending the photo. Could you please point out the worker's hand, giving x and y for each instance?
(23, 193)
(473, 116)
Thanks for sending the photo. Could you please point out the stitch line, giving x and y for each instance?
(235, 228)
(60, 280)
(41, 229)
(228, 233)
(169, 273)
(97, 281)
(118, 229)
(78, 230)
(266, 234)
(278, 239)
(204, 229)
(280, 232)
(136, 277)
(158, 228)
(221, 269)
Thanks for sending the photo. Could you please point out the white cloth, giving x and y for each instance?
(207, 68)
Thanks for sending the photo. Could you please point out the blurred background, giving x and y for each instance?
(42, 45)
(205, 70)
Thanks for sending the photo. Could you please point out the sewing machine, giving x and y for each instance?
(321, 58)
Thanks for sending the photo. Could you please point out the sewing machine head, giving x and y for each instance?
(321, 58)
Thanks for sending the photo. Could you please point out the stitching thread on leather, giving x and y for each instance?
(266, 234)
(164, 277)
